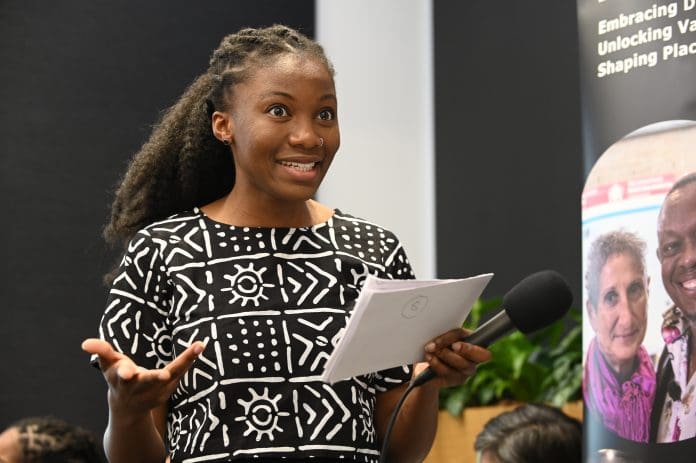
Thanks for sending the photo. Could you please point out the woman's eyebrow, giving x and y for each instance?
(277, 93)
(327, 96)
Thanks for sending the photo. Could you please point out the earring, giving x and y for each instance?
(226, 142)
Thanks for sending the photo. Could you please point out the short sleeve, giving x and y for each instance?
(398, 267)
(135, 321)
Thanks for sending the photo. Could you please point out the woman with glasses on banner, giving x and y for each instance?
(619, 382)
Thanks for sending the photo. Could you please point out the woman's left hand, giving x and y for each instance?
(452, 359)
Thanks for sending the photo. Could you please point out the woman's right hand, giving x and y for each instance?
(133, 390)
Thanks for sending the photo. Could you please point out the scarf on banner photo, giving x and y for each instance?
(678, 420)
(623, 408)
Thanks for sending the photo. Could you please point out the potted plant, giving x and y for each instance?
(545, 366)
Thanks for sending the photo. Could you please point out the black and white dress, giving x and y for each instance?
(271, 303)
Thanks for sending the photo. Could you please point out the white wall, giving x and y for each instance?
(384, 171)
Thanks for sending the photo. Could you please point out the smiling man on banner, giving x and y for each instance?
(674, 411)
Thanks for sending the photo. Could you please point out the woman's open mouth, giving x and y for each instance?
(301, 166)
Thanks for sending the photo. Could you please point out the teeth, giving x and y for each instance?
(689, 284)
(305, 167)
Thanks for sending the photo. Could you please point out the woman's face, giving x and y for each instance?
(619, 320)
(283, 129)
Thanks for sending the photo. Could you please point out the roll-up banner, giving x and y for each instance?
(638, 65)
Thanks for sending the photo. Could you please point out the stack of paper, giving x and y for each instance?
(394, 319)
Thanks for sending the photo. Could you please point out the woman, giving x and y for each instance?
(619, 383)
(236, 284)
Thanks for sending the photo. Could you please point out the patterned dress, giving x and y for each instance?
(271, 303)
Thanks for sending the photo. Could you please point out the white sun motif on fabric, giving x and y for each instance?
(261, 414)
(247, 285)
(160, 344)
(174, 427)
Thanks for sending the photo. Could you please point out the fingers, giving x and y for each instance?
(126, 370)
(452, 341)
(97, 346)
(472, 352)
(450, 374)
(453, 359)
(445, 340)
(181, 364)
(449, 338)
(106, 353)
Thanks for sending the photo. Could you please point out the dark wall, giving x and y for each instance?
(81, 83)
(508, 140)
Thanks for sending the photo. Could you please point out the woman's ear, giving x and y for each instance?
(222, 126)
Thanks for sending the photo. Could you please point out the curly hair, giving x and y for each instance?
(46, 439)
(605, 246)
(532, 433)
(182, 164)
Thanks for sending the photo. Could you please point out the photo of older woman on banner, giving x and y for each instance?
(619, 376)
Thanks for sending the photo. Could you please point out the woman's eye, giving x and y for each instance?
(278, 111)
(326, 115)
(635, 291)
(611, 298)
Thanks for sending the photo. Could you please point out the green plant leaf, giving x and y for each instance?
(543, 367)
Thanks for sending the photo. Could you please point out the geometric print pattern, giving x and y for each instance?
(270, 304)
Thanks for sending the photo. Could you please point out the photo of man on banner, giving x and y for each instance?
(674, 413)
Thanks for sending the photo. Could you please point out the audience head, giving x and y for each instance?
(48, 440)
(531, 433)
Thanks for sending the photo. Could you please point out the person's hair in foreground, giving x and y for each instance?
(46, 439)
(183, 164)
(531, 433)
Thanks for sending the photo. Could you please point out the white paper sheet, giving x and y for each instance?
(394, 319)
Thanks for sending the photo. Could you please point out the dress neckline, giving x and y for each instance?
(207, 218)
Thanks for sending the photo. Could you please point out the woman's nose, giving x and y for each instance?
(623, 308)
(304, 134)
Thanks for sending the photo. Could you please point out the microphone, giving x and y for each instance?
(534, 303)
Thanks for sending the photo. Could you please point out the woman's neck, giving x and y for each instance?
(230, 210)
(624, 370)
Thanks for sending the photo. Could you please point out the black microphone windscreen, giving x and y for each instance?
(537, 301)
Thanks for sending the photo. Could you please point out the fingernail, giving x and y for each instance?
(198, 348)
(431, 347)
(458, 347)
